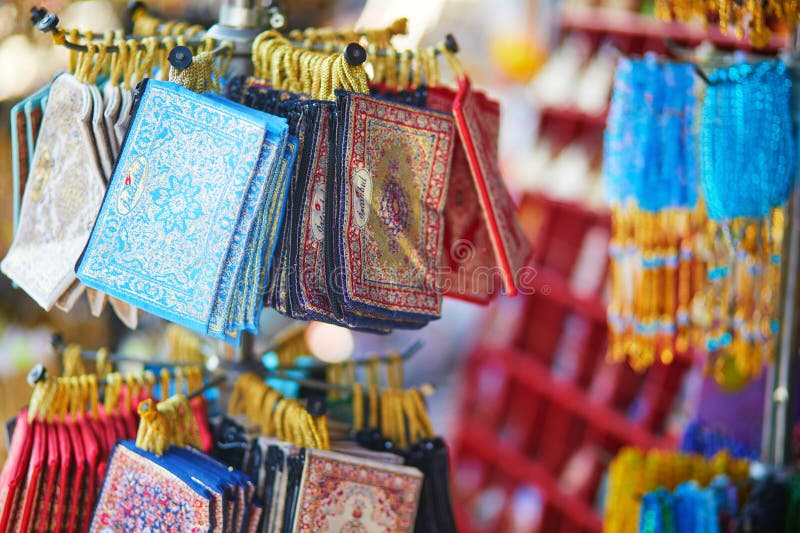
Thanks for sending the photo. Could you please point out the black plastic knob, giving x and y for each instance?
(133, 7)
(450, 43)
(38, 373)
(48, 23)
(37, 14)
(355, 54)
(57, 341)
(180, 57)
(317, 406)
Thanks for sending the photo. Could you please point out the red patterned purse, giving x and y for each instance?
(483, 238)
(63, 479)
(339, 492)
(31, 488)
(45, 503)
(15, 470)
(78, 472)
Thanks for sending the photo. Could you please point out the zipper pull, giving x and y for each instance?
(137, 95)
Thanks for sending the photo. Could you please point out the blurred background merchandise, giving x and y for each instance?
(531, 408)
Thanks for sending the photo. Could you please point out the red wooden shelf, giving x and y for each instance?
(572, 114)
(538, 378)
(513, 464)
(559, 289)
(621, 23)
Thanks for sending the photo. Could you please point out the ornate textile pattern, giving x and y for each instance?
(61, 494)
(313, 289)
(340, 493)
(242, 244)
(472, 270)
(31, 489)
(173, 205)
(477, 119)
(61, 199)
(469, 271)
(394, 209)
(262, 241)
(14, 470)
(46, 502)
(386, 148)
(140, 495)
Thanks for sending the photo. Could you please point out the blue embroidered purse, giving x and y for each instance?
(180, 232)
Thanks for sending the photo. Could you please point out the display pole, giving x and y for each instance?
(781, 401)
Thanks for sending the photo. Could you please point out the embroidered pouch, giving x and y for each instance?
(200, 410)
(124, 115)
(112, 100)
(435, 511)
(269, 194)
(385, 211)
(267, 233)
(73, 514)
(171, 234)
(63, 479)
(238, 483)
(89, 483)
(279, 288)
(276, 481)
(253, 465)
(222, 498)
(139, 493)
(31, 489)
(61, 199)
(311, 287)
(106, 436)
(44, 504)
(70, 297)
(339, 492)
(483, 238)
(26, 117)
(102, 144)
(127, 313)
(15, 469)
(253, 523)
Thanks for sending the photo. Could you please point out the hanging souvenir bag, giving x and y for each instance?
(384, 212)
(64, 190)
(484, 245)
(155, 177)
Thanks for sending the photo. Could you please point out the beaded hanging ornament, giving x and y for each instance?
(747, 168)
(754, 18)
(649, 169)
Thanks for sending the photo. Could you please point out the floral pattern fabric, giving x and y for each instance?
(140, 495)
(176, 223)
(342, 493)
(393, 167)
